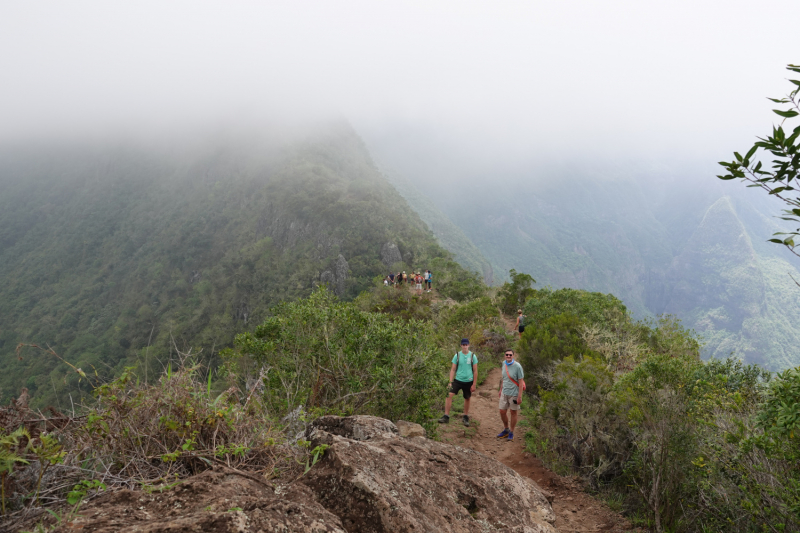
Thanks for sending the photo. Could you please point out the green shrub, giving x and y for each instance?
(591, 307)
(333, 357)
(513, 295)
(400, 303)
(451, 280)
(546, 342)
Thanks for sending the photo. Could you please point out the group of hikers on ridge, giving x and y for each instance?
(464, 378)
(420, 280)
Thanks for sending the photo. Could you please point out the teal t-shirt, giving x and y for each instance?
(464, 362)
(509, 389)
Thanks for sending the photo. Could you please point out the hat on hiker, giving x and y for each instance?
(464, 341)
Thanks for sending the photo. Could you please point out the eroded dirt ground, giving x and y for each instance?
(576, 511)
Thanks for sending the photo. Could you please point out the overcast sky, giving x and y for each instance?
(510, 77)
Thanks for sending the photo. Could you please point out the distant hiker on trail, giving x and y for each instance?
(399, 279)
(418, 283)
(520, 325)
(391, 278)
(465, 371)
(405, 277)
(428, 279)
(511, 386)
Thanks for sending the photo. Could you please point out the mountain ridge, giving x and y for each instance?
(116, 255)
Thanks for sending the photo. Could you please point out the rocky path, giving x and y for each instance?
(576, 511)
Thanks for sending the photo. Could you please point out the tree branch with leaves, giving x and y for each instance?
(780, 179)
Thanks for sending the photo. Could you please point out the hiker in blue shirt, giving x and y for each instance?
(511, 386)
(465, 371)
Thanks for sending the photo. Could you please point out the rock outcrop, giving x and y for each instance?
(370, 480)
(337, 278)
(376, 482)
(390, 254)
(221, 500)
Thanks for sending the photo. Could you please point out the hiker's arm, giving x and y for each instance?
(500, 389)
(452, 373)
(474, 377)
(519, 393)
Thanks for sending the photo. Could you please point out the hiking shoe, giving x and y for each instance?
(510, 435)
(465, 418)
(444, 420)
(503, 433)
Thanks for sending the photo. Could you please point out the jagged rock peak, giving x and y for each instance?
(390, 254)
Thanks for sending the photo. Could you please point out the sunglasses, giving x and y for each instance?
(509, 355)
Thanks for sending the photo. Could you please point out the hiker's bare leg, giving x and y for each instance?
(447, 403)
(504, 417)
(466, 406)
(513, 420)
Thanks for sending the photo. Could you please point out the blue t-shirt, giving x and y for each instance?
(509, 389)
(464, 362)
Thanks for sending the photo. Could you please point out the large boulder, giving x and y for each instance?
(377, 482)
(222, 500)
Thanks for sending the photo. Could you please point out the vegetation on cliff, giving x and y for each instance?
(118, 256)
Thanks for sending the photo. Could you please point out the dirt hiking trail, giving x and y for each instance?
(576, 511)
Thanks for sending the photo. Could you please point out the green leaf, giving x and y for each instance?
(787, 114)
(751, 152)
(779, 101)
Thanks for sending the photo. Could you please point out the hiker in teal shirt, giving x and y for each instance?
(465, 371)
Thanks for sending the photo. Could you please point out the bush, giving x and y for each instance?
(692, 445)
(401, 303)
(176, 426)
(580, 420)
(139, 435)
(333, 357)
(451, 280)
(513, 295)
(593, 308)
(547, 342)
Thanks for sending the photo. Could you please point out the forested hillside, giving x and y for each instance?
(126, 253)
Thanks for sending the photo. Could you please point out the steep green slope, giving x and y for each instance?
(116, 255)
(738, 301)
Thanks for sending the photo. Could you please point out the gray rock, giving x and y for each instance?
(341, 269)
(359, 427)
(337, 277)
(390, 254)
(410, 429)
(387, 484)
(329, 278)
(220, 500)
